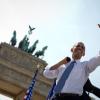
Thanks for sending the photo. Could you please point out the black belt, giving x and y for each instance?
(67, 94)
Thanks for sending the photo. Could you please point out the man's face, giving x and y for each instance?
(78, 50)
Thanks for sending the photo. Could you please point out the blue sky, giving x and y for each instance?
(58, 23)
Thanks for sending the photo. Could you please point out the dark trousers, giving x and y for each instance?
(66, 97)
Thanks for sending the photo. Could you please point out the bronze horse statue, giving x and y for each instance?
(40, 52)
(33, 47)
(13, 39)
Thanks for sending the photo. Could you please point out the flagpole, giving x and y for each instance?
(50, 94)
(29, 91)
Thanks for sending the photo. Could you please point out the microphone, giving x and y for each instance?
(68, 59)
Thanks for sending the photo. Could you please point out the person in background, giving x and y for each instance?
(90, 88)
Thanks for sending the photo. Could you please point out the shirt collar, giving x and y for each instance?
(76, 60)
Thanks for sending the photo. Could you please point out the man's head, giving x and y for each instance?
(78, 50)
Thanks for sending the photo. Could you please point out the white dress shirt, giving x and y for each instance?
(78, 76)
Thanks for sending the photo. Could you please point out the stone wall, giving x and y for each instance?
(16, 71)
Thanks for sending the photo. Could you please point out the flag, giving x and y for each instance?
(50, 94)
(99, 25)
(29, 91)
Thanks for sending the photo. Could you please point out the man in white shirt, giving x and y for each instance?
(73, 86)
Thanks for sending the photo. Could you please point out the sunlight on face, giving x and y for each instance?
(2, 97)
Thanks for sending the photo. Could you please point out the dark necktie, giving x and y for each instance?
(63, 78)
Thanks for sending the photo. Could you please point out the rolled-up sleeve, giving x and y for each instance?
(50, 73)
(93, 63)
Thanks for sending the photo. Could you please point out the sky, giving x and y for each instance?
(3, 97)
(59, 24)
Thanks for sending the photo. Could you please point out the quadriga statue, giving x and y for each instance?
(13, 40)
(41, 52)
(33, 47)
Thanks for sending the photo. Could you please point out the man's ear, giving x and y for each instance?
(83, 53)
(71, 50)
